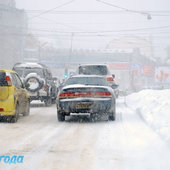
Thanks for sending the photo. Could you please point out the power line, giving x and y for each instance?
(92, 32)
(126, 9)
(92, 11)
(110, 31)
(47, 11)
(85, 36)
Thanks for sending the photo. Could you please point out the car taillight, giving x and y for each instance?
(110, 79)
(66, 95)
(1, 109)
(103, 94)
(9, 82)
(86, 94)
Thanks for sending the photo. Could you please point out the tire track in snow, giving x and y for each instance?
(24, 136)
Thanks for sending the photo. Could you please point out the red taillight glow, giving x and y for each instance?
(87, 94)
(1, 109)
(110, 79)
(103, 94)
(9, 81)
(45, 88)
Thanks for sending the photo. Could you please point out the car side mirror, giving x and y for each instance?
(115, 86)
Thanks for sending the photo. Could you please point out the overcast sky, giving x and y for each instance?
(54, 23)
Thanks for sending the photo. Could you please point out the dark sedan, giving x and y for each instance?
(86, 94)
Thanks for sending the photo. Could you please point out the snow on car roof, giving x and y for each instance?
(83, 75)
(93, 64)
(85, 86)
(10, 71)
(34, 65)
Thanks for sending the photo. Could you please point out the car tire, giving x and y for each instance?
(14, 118)
(27, 111)
(48, 101)
(112, 116)
(93, 117)
(53, 101)
(60, 116)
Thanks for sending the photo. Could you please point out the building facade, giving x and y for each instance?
(13, 28)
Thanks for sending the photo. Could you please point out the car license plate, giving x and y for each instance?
(83, 106)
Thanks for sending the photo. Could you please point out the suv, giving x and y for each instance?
(39, 79)
(98, 69)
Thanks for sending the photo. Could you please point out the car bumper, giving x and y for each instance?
(40, 95)
(2, 114)
(8, 106)
(85, 105)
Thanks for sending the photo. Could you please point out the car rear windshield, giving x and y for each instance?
(93, 70)
(3, 81)
(24, 71)
(99, 81)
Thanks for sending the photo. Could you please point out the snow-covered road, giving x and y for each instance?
(126, 144)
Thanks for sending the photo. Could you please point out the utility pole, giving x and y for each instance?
(71, 46)
(39, 50)
(69, 57)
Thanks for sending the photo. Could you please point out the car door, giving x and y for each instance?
(21, 92)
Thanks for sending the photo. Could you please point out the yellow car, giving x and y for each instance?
(14, 98)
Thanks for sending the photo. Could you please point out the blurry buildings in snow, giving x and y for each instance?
(13, 27)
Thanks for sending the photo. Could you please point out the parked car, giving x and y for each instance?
(39, 77)
(86, 94)
(98, 69)
(14, 99)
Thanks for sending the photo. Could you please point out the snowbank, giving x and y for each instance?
(154, 107)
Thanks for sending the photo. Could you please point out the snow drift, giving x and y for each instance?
(154, 107)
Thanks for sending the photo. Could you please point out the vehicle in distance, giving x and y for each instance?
(86, 94)
(99, 69)
(96, 69)
(41, 84)
(14, 99)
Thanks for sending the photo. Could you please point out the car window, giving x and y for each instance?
(3, 81)
(90, 70)
(16, 80)
(39, 71)
(48, 74)
(100, 81)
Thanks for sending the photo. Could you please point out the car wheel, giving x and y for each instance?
(60, 116)
(39, 82)
(48, 101)
(14, 118)
(112, 116)
(93, 117)
(27, 111)
(54, 101)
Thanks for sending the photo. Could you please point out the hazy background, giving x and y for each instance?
(94, 27)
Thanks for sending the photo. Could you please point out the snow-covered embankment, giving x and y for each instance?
(154, 107)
